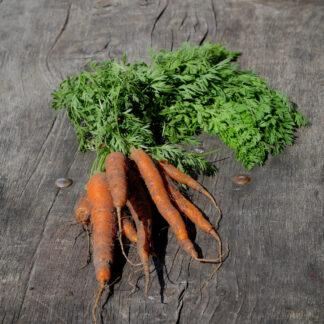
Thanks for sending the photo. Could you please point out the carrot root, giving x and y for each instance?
(95, 306)
(140, 208)
(121, 239)
(130, 282)
(128, 229)
(88, 259)
(64, 227)
(215, 270)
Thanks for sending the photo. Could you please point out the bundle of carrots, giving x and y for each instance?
(139, 119)
(133, 183)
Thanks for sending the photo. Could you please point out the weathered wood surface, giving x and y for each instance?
(274, 225)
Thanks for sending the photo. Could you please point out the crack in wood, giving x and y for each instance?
(208, 301)
(106, 46)
(173, 260)
(238, 311)
(183, 20)
(180, 302)
(40, 240)
(157, 19)
(49, 53)
(197, 22)
(33, 257)
(203, 38)
(214, 12)
(38, 159)
(214, 312)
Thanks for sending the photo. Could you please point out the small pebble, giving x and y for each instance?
(63, 182)
(242, 179)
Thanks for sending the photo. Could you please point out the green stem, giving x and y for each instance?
(116, 112)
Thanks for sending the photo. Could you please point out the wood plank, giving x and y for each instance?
(273, 225)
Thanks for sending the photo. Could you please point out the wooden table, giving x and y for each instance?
(273, 225)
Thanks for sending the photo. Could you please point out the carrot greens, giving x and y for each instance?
(119, 106)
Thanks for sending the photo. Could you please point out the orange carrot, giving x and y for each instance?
(159, 195)
(83, 210)
(187, 208)
(183, 178)
(104, 230)
(128, 229)
(83, 214)
(140, 208)
(190, 210)
(116, 172)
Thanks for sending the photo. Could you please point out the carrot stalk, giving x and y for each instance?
(104, 230)
(183, 178)
(159, 195)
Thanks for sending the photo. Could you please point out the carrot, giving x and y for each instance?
(159, 195)
(83, 213)
(183, 178)
(116, 172)
(191, 211)
(83, 210)
(128, 229)
(104, 230)
(140, 208)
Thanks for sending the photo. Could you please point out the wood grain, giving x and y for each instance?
(274, 224)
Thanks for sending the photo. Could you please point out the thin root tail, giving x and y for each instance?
(121, 240)
(129, 280)
(95, 306)
(88, 259)
(217, 260)
(215, 270)
(62, 228)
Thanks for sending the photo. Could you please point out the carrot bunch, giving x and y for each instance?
(134, 183)
(141, 119)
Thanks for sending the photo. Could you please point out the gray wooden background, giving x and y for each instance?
(274, 225)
